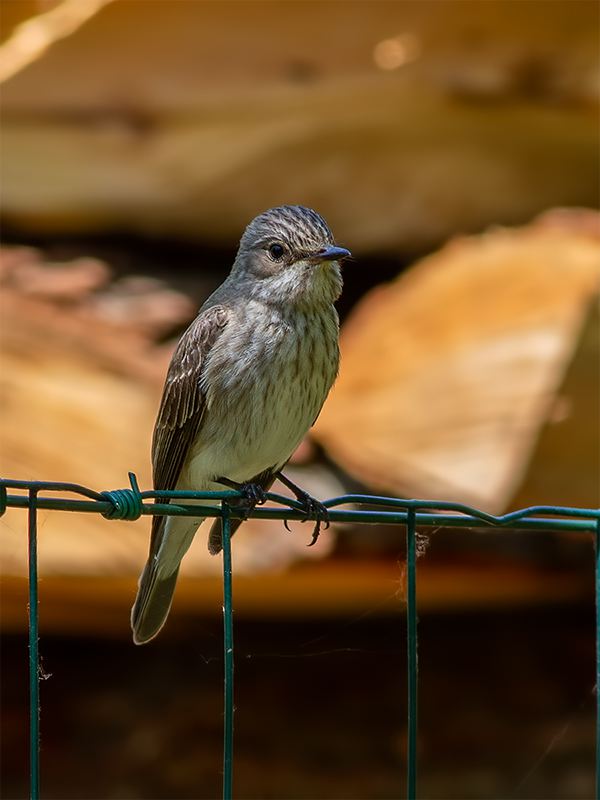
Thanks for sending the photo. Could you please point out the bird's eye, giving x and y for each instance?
(276, 251)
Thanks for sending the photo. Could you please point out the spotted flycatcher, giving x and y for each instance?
(246, 382)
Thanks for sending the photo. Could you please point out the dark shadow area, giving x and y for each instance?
(506, 710)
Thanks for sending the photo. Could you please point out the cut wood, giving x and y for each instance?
(450, 372)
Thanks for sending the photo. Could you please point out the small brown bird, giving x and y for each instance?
(246, 382)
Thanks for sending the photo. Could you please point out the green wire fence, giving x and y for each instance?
(130, 504)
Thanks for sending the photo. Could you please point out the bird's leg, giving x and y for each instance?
(312, 507)
(252, 492)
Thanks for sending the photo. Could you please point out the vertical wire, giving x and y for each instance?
(411, 654)
(34, 685)
(228, 657)
(597, 554)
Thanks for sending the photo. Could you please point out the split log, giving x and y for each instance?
(450, 372)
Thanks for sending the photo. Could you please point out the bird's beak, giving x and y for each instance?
(330, 253)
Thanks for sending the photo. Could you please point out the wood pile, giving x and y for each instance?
(450, 373)
(401, 122)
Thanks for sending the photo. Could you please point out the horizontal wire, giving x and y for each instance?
(396, 511)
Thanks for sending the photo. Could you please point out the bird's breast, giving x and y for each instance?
(264, 382)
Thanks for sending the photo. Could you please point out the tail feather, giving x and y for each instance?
(170, 542)
(215, 537)
(152, 604)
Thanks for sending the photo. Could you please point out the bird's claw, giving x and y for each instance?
(314, 508)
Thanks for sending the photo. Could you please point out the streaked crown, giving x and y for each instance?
(302, 228)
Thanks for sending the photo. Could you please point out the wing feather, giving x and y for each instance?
(182, 406)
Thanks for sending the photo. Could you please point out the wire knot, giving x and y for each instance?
(126, 503)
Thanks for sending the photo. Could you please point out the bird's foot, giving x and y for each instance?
(315, 509)
(253, 493)
(312, 508)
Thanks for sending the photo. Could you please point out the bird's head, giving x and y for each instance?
(289, 253)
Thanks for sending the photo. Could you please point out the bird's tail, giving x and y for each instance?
(170, 542)
(215, 537)
(152, 604)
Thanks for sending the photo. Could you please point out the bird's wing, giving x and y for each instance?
(183, 403)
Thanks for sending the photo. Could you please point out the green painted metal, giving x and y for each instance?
(131, 503)
(597, 555)
(545, 518)
(34, 671)
(411, 654)
(227, 657)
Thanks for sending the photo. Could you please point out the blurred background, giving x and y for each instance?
(453, 147)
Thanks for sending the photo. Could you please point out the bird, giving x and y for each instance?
(247, 380)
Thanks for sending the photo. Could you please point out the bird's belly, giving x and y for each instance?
(258, 437)
(256, 430)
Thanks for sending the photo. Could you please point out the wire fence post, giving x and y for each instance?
(597, 564)
(34, 675)
(411, 653)
(228, 656)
